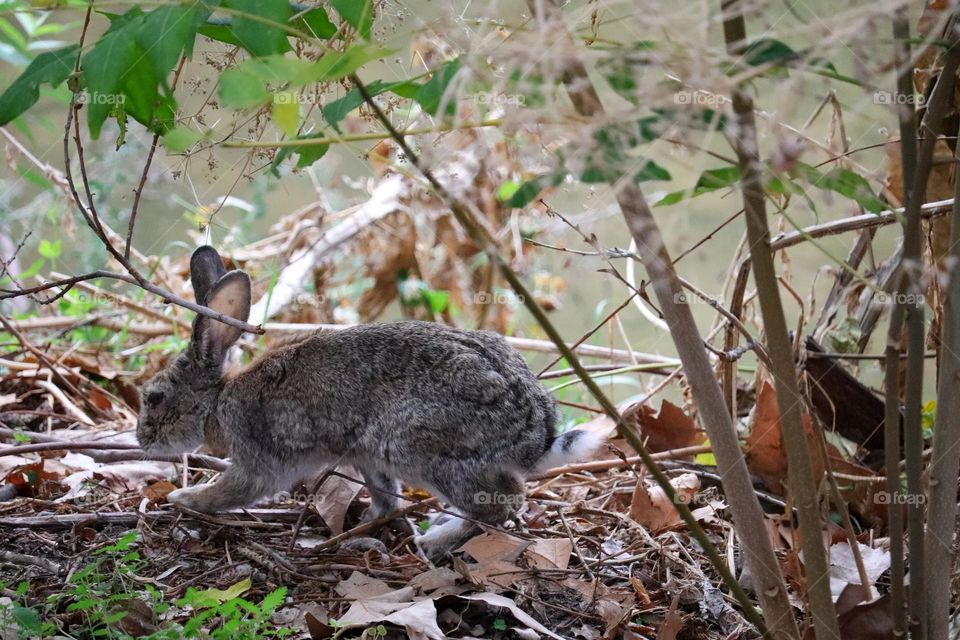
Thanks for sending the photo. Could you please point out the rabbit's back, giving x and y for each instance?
(401, 394)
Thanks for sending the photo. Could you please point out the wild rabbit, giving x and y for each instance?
(455, 411)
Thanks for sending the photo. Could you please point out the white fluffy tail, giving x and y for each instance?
(573, 446)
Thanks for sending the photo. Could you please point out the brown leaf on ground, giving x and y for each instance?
(672, 623)
(158, 491)
(652, 507)
(550, 553)
(496, 555)
(33, 481)
(333, 499)
(868, 621)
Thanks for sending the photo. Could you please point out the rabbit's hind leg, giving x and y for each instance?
(486, 496)
(384, 490)
(235, 488)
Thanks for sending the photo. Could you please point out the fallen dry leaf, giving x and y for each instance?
(672, 622)
(843, 568)
(158, 490)
(652, 507)
(418, 618)
(333, 498)
(671, 428)
(495, 600)
(434, 579)
(551, 553)
(869, 621)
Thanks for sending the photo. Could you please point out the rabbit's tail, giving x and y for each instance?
(572, 446)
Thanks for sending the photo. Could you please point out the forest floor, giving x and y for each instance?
(88, 537)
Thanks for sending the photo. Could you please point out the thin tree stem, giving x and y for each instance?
(803, 485)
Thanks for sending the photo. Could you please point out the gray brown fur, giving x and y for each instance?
(456, 411)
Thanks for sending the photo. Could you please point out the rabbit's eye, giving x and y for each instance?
(154, 398)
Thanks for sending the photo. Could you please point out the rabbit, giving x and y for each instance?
(455, 411)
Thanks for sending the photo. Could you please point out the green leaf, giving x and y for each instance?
(845, 182)
(167, 33)
(49, 250)
(622, 72)
(285, 113)
(333, 66)
(613, 156)
(108, 64)
(52, 67)
(141, 95)
(709, 180)
(437, 301)
(649, 171)
(83, 605)
(273, 600)
(928, 416)
(219, 32)
(506, 190)
(181, 138)
(279, 69)
(520, 195)
(13, 36)
(122, 544)
(259, 37)
(27, 619)
(114, 617)
(241, 89)
(309, 153)
(222, 595)
(525, 193)
(316, 22)
(357, 13)
(769, 50)
(120, 20)
(705, 459)
(336, 111)
(431, 94)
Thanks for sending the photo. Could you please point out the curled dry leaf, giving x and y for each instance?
(767, 459)
(652, 507)
(333, 498)
(843, 567)
(158, 491)
(671, 428)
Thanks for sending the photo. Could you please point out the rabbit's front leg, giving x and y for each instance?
(383, 490)
(235, 488)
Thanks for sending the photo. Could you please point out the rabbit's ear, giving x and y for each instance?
(230, 295)
(206, 268)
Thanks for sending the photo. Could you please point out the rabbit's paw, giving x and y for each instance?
(440, 539)
(433, 549)
(374, 512)
(190, 497)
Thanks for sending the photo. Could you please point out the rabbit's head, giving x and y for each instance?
(177, 402)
